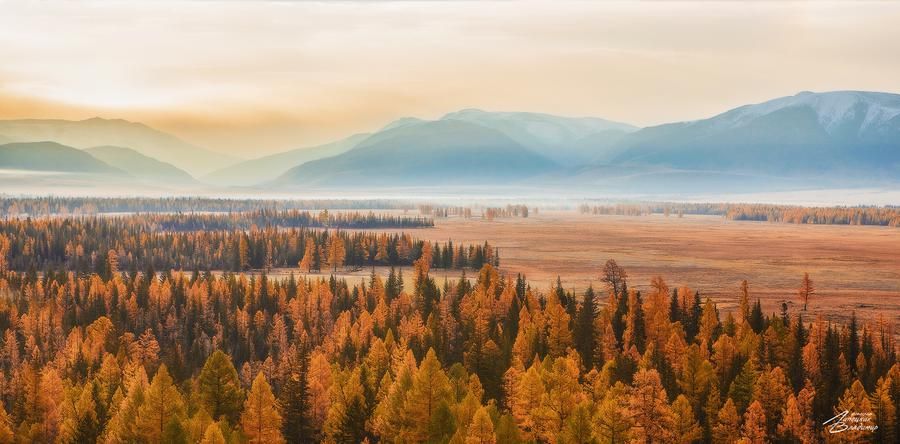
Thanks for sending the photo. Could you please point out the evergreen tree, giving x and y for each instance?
(585, 339)
(294, 400)
(741, 390)
(757, 319)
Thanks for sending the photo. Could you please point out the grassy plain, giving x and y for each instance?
(853, 267)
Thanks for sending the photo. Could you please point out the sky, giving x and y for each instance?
(250, 78)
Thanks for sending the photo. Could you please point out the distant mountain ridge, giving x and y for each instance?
(52, 157)
(565, 140)
(834, 139)
(263, 169)
(842, 132)
(116, 132)
(429, 152)
(139, 165)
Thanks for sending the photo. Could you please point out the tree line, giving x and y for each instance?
(175, 357)
(104, 244)
(56, 205)
(264, 218)
(839, 215)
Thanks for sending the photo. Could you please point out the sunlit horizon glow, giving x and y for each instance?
(251, 78)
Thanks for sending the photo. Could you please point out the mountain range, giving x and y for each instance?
(139, 165)
(52, 157)
(116, 132)
(808, 140)
(255, 171)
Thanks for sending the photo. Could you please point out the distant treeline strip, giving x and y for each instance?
(272, 218)
(40, 206)
(859, 215)
(98, 244)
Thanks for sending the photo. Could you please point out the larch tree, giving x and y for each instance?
(695, 377)
(430, 388)
(686, 429)
(481, 430)
(162, 404)
(578, 427)
(112, 262)
(754, 428)
(527, 400)
(219, 387)
(855, 401)
(614, 276)
(389, 419)
(806, 291)
(337, 253)
(650, 411)
(885, 411)
(559, 334)
(261, 421)
(612, 421)
(728, 424)
(744, 301)
(562, 394)
(6, 432)
(348, 412)
(792, 426)
(635, 329)
(771, 390)
(213, 435)
(309, 252)
(4, 253)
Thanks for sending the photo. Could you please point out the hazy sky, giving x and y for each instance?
(251, 77)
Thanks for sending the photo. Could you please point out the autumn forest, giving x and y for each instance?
(243, 326)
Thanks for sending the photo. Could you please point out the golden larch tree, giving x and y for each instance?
(728, 424)
(163, 403)
(336, 253)
(806, 291)
(261, 421)
(686, 429)
(481, 430)
(306, 262)
(754, 429)
(650, 411)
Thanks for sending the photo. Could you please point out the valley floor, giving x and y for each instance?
(853, 267)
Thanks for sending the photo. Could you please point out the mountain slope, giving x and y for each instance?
(116, 132)
(51, 157)
(566, 140)
(810, 134)
(139, 165)
(251, 172)
(425, 154)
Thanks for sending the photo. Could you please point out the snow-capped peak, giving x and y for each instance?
(832, 108)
